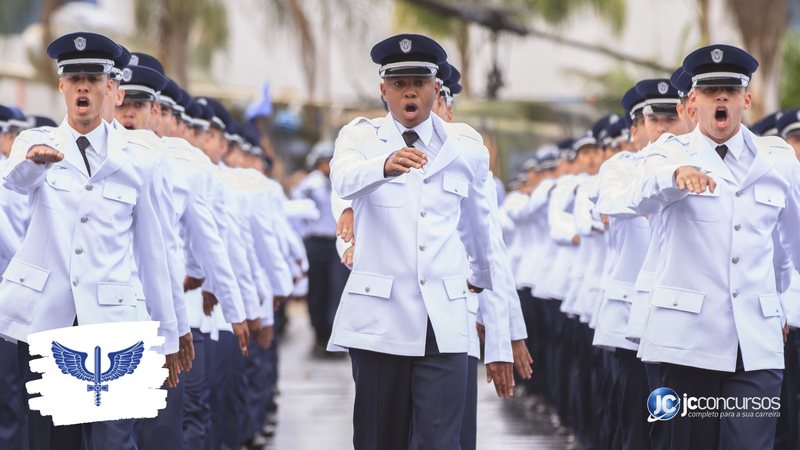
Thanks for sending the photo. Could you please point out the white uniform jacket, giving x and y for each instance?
(715, 284)
(408, 264)
(76, 256)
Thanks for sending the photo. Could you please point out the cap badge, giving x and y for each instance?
(80, 43)
(613, 119)
(126, 75)
(716, 55)
(405, 45)
(134, 61)
(662, 88)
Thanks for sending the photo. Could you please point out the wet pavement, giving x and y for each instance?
(316, 403)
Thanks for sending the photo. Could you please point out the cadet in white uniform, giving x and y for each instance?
(730, 204)
(404, 318)
(92, 179)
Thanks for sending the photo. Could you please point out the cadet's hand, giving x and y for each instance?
(42, 154)
(690, 179)
(344, 226)
(604, 219)
(254, 327)
(522, 359)
(242, 334)
(190, 284)
(474, 289)
(347, 256)
(186, 351)
(526, 189)
(209, 300)
(403, 160)
(576, 240)
(785, 332)
(481, 331)
(265, 336)
(502, 375)
(173, 364)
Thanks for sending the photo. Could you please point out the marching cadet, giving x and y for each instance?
(99, 188)
(787, 435)
(729, 201)
(404, 318)
(326, 275)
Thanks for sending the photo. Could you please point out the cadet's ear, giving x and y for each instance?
(120, 97)
(383, 91)
(748, 100)
(61, 84)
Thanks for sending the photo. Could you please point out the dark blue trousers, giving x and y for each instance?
(326, 279)
(164, 431)
(42, 434)
(196, 409)
(469, 424)
(729, 433)
(632, 396)
(787, 436)
(258, 390)
(391, 390)
(13, 423)
(227, 393)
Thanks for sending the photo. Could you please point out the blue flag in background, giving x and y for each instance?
(262, 107)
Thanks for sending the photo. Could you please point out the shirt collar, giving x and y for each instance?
(97, 137)
(424, 130)
(735, 144)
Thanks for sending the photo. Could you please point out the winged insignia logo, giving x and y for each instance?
(73, 362)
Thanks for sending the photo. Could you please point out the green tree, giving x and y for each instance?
(182, 31)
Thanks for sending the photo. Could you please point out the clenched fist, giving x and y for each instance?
(690, 179)
(403, 160)
(42, 154)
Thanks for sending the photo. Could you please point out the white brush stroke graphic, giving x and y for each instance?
(122, 389)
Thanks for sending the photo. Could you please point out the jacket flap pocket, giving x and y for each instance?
(676, 298)
(120, 193)
(115, 294)
(620, 291)
(59, 179)
(26, 274)
(770, 305)
(768, 195)
(456, 287)
(369, 284)
(455, 185)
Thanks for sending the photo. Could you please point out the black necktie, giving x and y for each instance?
(83, 144)
(410, 136)
(722, 150)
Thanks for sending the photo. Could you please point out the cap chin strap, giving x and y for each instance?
(140, 88)
(785, 132)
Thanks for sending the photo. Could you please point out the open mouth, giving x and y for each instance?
(721, 114)
(83, 104)
(410, 108)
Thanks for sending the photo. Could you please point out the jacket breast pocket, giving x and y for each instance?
(59, 183)
(454, 190)
(391, 194)
(121, 198)
(770, 200)
(366, 303)
(456, 288)
(19, 304)
(701, 208)
(674, 317)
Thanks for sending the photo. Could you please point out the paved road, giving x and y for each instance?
(316, 404)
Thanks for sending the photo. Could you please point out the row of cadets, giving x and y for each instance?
(13, 225)
(786, 124)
